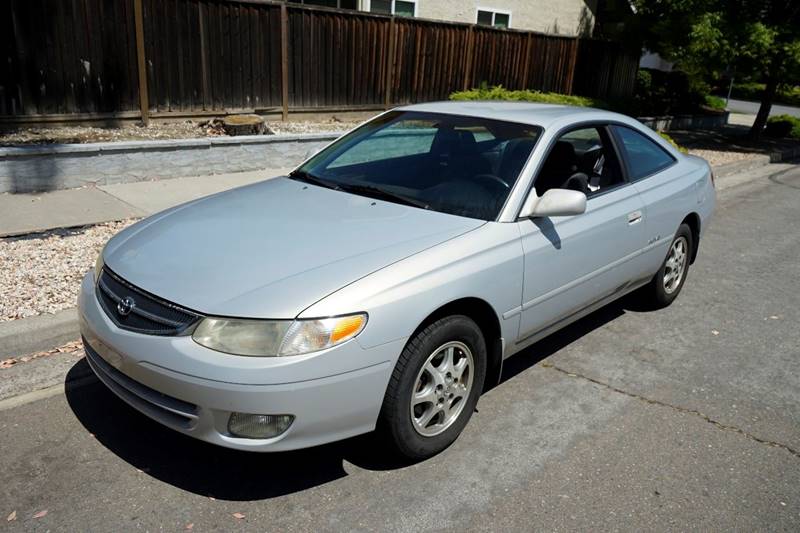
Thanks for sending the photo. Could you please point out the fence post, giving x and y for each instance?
(526, 65)
(203, 55)
(387, 93)
(285, 62)
(468, 57)
(138, 22)
(574, 65)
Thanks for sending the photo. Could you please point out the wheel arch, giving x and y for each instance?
(693, 221)
(482, 313)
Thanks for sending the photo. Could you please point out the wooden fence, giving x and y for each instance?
(84, 59)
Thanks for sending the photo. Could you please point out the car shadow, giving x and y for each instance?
(226, 474)
(541, 350)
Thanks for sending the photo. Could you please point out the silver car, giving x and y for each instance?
(383, 282)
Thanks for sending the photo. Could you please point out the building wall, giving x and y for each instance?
(565, 17)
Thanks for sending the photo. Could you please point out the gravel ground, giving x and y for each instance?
(719, 157)
(41, 273)
(131, 132)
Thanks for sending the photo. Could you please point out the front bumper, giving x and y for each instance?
(333, 394)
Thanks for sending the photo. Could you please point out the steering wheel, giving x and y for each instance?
(491, 179)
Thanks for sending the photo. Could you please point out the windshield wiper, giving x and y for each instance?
(381, 194)
(301, 175)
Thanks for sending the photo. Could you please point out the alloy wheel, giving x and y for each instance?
(675, 267)
(441, 389)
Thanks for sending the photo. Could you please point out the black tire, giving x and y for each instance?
(395, 423)
(657, 293)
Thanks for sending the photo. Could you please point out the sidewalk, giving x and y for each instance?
(31, 213)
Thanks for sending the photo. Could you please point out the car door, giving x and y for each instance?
(572, 262)
(668, 191)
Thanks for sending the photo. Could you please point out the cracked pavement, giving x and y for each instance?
(686, 418)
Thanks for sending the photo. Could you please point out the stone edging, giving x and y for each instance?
(67, 166)
(685, 122)
(167, 144)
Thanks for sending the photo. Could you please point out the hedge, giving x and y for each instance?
(499, 93)
(783, 126)
(753, 91)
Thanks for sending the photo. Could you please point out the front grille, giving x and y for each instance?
(133, 309)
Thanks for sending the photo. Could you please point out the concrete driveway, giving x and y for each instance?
(681, 419)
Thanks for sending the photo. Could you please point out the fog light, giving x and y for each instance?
(258, 426)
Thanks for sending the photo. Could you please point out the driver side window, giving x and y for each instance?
(581, 160)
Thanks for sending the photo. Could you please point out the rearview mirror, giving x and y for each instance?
(554, 203)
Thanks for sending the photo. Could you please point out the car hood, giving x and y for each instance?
(271, 249)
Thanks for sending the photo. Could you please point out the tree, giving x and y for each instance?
(758, 38)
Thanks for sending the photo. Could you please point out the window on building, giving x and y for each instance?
(403, 8)
(492, 17)
(341, 4)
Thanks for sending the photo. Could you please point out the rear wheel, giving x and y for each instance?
(434, 387)
(669, 280)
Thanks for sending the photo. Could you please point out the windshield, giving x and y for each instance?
(454, 164)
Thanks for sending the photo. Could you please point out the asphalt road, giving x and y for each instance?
(686, 418)
(751, 108)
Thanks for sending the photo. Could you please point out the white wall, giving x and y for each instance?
(565, 17)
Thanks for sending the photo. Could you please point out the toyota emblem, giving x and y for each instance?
(125, 306)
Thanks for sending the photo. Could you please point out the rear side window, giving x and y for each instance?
(644, 156)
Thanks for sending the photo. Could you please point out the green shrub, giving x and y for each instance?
(671, 141)
(747, 91)
(753, 91)
(783, 126)
(715, 102)
(500, 93)
(666, 93)
(644, 81)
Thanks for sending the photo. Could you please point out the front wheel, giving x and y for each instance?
(434, 387)
(669, 280)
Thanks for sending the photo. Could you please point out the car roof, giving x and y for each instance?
(522, 112)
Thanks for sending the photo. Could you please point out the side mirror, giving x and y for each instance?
(554, 203)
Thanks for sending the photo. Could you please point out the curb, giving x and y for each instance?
(35, 334)
(736, 167)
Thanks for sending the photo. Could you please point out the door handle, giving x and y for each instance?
(634, 217)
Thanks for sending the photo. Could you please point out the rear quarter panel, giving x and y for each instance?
(669, 197)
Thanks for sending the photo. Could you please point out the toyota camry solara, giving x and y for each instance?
(382, 283)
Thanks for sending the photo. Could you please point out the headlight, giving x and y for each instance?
(99, 264)
(276, 337)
